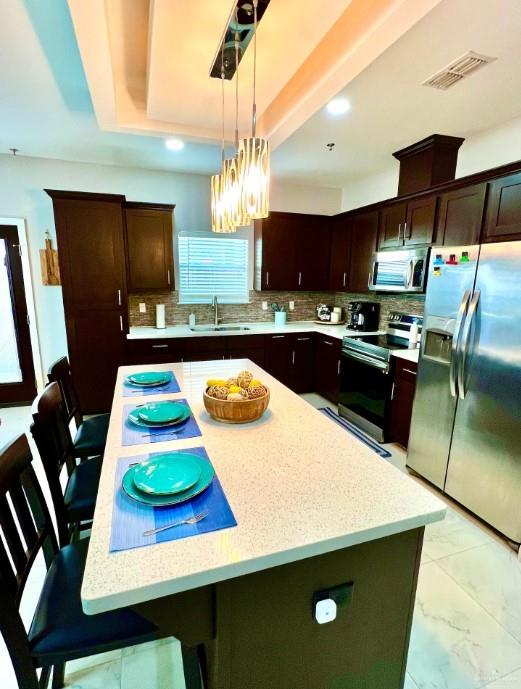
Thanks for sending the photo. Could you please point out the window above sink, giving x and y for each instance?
(211, 266)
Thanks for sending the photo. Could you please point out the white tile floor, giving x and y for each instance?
(467, 623)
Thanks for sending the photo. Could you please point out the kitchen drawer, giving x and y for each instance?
(242, 342)
(155, 350)
(405, 369)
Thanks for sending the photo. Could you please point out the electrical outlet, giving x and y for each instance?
(292, 306)
(264, 305)
(142, 308)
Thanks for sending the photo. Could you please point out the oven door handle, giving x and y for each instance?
(375, 363)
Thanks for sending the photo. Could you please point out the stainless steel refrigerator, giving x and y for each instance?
(466, 423)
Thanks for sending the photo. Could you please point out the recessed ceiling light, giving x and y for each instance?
(338, 106)
(174, 144)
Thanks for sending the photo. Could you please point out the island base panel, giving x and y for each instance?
(266, 637)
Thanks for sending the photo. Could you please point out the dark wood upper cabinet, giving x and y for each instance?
(503, 218)
(460, 215)
(364, 230)
(149, 247)
(392, 221)
(340, 253)
(275, 252)
(91, 252)
(407, 224)
(419, 222)
(313, 238)
(292, 252)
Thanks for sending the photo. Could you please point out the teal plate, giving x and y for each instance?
(205, 479)
(168, 474)
(133, 417)
(161, 412)
(151, 378)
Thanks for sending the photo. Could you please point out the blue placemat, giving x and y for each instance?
(133, 390)
(130, 518)
(140, 435)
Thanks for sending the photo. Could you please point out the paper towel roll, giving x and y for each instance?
(160, 316)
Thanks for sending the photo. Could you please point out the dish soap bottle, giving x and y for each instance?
(191, 320)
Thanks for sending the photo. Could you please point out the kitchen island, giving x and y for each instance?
(318, 515)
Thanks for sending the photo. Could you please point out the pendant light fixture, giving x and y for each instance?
(232, 167)
(221, 221)
(254, 157)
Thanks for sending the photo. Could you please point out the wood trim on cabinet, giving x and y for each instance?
(83, 196)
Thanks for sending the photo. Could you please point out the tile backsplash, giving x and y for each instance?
(305, 306)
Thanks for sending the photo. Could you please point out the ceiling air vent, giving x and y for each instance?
(457, 70)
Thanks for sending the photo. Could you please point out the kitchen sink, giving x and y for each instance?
(217, 328)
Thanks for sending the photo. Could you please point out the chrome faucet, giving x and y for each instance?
(215, 308)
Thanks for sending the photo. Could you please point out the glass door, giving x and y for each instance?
(17, 380)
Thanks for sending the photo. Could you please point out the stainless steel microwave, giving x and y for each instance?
(404, 270)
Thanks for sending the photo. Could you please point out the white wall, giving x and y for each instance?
(23, 180)
(484, 150)
(301, 198)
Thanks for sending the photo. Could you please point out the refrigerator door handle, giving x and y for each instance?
(460, 318)
(466, 341)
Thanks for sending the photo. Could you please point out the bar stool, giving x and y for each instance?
(74, 506)
(91, 434)
(60, 631)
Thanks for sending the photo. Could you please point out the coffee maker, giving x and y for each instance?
(363, 315)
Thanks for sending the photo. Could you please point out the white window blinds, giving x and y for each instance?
(211, 266)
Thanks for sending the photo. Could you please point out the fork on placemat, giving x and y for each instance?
(191, 520)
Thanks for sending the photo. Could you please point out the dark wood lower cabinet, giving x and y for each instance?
(327, 367)
(247, 347)
(303, 363)
(404, 386)
(97, 347)
(278, 357)
(155, 351)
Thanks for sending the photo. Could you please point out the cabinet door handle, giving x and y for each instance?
(303, 339)
(405, 231)
(119, 297)
(267, 278)
(160, 346)
(408, 370)
(168, 276)
(300, 278)
(327, 342)
(344, 280)
(399, 231)
(293, 357)
(338, 367)
(277, 337)
(121, 323)
(392, 392)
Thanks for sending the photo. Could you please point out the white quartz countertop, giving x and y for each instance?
(298, 484)
(262, 328)
(407, 354)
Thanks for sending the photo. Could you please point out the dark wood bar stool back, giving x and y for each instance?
(60, 631)
(53, 440)
(91, 433)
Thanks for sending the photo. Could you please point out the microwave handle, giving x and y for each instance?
(410, 273)
(371, 275)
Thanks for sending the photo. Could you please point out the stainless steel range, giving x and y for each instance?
(365, 380)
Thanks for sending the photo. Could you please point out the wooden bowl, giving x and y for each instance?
(236, 411)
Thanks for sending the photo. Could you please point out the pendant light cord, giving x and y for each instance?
(237, 85)
(254, 114)
(222, 104)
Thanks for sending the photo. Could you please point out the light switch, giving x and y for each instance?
(292, 306)
(142, 308)
(264, 305)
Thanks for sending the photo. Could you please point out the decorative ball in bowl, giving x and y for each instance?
(237, 400)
